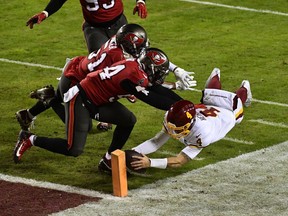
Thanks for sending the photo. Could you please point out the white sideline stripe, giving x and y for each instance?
(57, 68)
(270, 102)
(238, 141)
(261, 121)
(29, 64)
(237, 7)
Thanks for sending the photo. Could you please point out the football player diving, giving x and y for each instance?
(196, 125)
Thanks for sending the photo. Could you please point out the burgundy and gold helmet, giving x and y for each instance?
(156, 65)
(132, 38)
(180, 119)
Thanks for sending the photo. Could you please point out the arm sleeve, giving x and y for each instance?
(153, 144)
(172, 66)
(191, 151)
(157, 100)
(53, 6)
(162, 90)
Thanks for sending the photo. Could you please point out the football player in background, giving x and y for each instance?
(196, 126)
(96, 97)
(129, 42)
(102, 18)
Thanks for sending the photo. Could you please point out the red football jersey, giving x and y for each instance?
(104, 85)
(100, 11)
(107, 55)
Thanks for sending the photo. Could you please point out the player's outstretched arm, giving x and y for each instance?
(161, 163)
(52, 7)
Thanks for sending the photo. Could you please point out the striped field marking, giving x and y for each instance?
(237, 7)
(29, 64)
(261, 121)
(238, 141)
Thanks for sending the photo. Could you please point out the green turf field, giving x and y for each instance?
(244, 44)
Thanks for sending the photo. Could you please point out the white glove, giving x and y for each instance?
(184, 76)
(180, 86)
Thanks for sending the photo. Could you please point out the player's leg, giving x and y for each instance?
(244, 93)
(124, 120)
(58, 107)
(63, 86)
(95, 37)
(77, 123)
(213, 80)
(112, 29)
(26, 117)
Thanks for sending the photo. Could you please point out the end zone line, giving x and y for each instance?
(237, 7)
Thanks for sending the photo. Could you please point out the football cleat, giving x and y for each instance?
(131, 98)
(104, 166)
(246, 85)
(44, 94)
(103, 126)
(215, 71)
(24, 119)
(22, 145)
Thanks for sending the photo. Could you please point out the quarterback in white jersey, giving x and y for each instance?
(197, 126)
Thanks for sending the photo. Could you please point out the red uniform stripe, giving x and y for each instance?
(71, 121)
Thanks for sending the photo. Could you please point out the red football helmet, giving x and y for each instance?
(180, 119)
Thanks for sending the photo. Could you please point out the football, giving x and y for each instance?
(129, 159)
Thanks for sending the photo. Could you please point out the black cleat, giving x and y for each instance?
(24, 119)
(44, 94)
(104, 166)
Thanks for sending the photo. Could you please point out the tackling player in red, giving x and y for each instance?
(99, 92)
(129, 42)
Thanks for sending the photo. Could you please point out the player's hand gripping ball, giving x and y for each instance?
(129, 158)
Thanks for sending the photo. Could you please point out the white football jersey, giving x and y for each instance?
(212, 124)
(213, 121)
(218, 114)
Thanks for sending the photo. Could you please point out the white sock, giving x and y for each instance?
(31, 138)
(108, 156)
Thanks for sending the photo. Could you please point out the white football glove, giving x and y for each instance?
(184, 76)
(180, 86)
